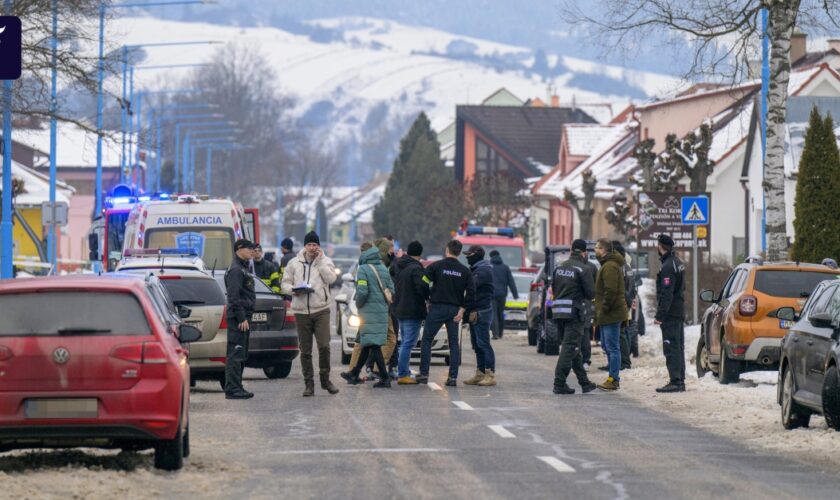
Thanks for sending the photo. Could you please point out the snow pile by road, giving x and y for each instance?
(746, 412)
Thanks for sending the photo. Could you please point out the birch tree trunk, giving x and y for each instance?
(782, 18)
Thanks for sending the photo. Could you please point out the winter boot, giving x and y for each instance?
(327, 385)
(587, 387)
(610, 385)
(309, 391)
(384, 383)
(489, 379)
(478, 377)
(671, 387)
(563, 389)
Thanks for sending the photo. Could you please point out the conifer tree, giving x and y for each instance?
(816, 226)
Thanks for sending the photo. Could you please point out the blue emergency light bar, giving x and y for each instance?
(499, 231)
(146, 252)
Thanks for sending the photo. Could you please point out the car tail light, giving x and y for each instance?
(290, 317)
(141, 353)
(738, 350)
(535, 287)
(168, 277)
(747, 305)
(218, 360)
(223, 324)
(5, 353)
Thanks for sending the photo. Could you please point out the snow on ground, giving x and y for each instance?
(746, 412)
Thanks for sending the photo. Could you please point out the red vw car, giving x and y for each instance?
(93, 361)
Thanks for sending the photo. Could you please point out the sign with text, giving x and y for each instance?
(10, 48)
(664, 213)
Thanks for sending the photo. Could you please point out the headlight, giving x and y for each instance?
(337, 271)
(354, 321)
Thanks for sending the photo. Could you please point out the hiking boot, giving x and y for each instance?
(384, 383)
(240, 394)
(328, 386)
(451, 382)
(489, 379)
(671, 387)
(610, 384)
(309, 390)
(422, 379)
(406, 381)
(348, 376)
(475, 379)
(563, 389)
(587, 387)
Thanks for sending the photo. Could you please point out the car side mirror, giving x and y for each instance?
(184, 312)
(188, 333)
(707, 296)
(341, 298)
(347, 278)
(820, 320)
(93, 246)
(786, 313)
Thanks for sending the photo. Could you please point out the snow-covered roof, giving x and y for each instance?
(37, 187)
(582, 138)
(75, 147)
(610, 161)
(602, 112)
(733, 131)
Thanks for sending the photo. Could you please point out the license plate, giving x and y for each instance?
(259, 317)
(62, 408)
(785, 324)
(515, 315)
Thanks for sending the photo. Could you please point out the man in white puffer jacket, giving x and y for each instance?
(307, 279)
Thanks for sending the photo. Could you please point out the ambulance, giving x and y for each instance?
(210, 226)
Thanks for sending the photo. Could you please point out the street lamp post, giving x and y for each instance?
(51, 243)
(180, 176)
(159, 119)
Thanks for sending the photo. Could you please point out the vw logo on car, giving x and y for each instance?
(61, 356)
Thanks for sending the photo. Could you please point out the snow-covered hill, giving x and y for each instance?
(364, 85)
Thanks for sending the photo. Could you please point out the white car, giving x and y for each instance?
(347, 327)
(166, 258)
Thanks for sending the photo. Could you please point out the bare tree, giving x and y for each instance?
(723, 35)
(620, 215)
(585, 210)
(499, 200)
(646, 159)
(694, 150)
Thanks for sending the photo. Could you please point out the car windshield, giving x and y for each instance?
(214, 245)
(72, 313)
(196, 291)
(790, 284)
(523, 284)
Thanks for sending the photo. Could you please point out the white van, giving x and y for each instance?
(210, 226)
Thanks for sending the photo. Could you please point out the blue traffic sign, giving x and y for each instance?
(695, 210)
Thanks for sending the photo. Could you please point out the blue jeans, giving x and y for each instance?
(610, 335)
(485, 358)
(410, 330)
(439, 315)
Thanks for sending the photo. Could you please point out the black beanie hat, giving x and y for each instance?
(579, 245)
(665, 240)
(311, 237)
(287, 244)
(415, 249)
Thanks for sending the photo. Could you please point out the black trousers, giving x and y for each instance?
(586, 344)
(571, 332)
(673, 345)
(625, 345)
(498, 326)
(377, 358)
(237, 354)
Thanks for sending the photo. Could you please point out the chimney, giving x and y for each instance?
(555, 101)
(834, 43)
(798, 46)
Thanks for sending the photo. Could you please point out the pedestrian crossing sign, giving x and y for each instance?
(695, 210)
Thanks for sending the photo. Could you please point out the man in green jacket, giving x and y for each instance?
(610, 307)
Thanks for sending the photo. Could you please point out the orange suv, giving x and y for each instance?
(740, 331)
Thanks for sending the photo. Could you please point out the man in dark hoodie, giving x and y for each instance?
(480, 316)
(502, 281)
(409, 307)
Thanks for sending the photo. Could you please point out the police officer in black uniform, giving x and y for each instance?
(670, 313)
(573, 288)
(241, 298)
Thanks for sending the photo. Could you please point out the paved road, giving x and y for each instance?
(516, 440)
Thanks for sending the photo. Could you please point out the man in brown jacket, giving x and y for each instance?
(610, 307)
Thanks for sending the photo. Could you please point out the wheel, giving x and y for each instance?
(831, 398)
(169, 454)
(187, 442)
(280, 370)
(730, 369)
(345, 358)
(446, 360)
(532, 336)
(701, 359)
(793, 415)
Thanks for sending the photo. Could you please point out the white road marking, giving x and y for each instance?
(501, 431)
(433, 386)
(557, 464)
(462, 405)
(362, 450)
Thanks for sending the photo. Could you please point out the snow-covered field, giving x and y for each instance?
(746, 412)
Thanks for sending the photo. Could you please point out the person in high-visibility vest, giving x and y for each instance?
(268, 272)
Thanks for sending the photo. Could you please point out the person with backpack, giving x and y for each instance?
(374, 295)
